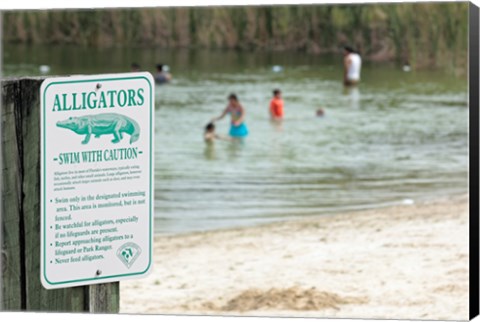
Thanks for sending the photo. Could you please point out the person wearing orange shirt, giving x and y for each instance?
(276, 105)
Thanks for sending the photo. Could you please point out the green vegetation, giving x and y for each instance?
(424, 34)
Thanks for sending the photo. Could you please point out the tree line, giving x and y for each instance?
(422, 34)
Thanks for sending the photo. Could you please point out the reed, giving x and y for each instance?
(425, 34)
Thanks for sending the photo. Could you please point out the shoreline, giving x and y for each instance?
(405, 261)
(358, 209)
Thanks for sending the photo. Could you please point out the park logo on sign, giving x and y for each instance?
(128, 253)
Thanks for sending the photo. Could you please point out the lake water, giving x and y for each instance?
(400, 137)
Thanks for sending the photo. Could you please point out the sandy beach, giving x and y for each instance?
(408, 262)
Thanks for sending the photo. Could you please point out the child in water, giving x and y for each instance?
(276, 106)
(238, 129)
(210, 136)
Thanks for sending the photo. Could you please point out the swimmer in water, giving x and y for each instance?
(276, 106)
(162, 76)
(320, 112)
(210, 136)
(238, 129)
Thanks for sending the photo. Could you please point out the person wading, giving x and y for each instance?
(352, 63)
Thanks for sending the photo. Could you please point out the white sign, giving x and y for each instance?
(97, 178)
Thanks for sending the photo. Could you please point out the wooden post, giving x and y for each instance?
(21, 288)
(104, 298)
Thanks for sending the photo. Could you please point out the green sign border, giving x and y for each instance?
(44, 184)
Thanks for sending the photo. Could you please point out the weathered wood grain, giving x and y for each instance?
(11, 204)
(105, 298)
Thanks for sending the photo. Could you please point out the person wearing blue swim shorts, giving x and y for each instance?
(238, 129)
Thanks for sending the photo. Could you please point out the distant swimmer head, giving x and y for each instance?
(134, 67)
(320, 112)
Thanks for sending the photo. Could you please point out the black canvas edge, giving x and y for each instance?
(473, 42)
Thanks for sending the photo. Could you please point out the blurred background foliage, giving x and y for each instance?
(422, 34)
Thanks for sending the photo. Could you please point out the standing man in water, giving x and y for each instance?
(352, 63)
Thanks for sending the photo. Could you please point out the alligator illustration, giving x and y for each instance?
(102, 124)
